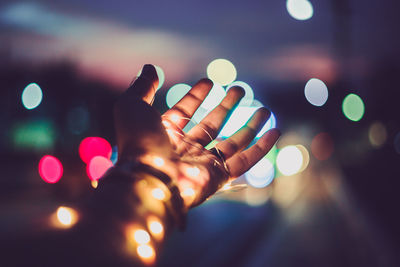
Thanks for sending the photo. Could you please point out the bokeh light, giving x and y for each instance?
(316, 92)
(239, 118)
(91, 147)
(97, 167)
(300, 9)
(289, 160)
(213, 98)
(32, 96)
(158, 193)
(377, 134)
(160, 75)
(353, 107)
(248, 98)
(270, 124)
(261, 174)
(50, 169)
(155, 227)
(36, 135)
(66, 216)
(322, 146)
(78, 120)
(221, 71)
(175, 93)
(306, 157)
(146, 253)
(141, 236)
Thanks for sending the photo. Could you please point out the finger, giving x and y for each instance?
(209, 127)
(243, 137)
(145, 85)
(243, 161)
(182, 111)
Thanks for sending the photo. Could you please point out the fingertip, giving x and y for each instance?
(149, 72)
(206, 82)
(264, 112)
(275, 133)
(237, 90)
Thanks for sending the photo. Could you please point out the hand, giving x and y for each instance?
(143, 134)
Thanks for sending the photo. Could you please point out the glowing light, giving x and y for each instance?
(141, 236)
(66, 216)
(261, 174)
(193, 171)
(200, 114)
(32, 96)
(353, 107)
(300, 9)
(239, 118)
(78, 120)
(114, 155)
(50, 169)
(214, 97)
(91, 147)
(158, 193)
(94, 184)
(248, 98)
(226, 186)
(166, 123)
(145, 252)
(316, 92)
(221, 71)
(174, 118)
(377, 134)
(212, 144)
(160, 75)
(271, 123)
(175, 93)
(158, 161)
(188, 192)
(322, 146)
(306, 157)
(156, 228)
(97, 167)
(289, 160)
(36, 135)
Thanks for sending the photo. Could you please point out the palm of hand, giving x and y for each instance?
(197, 171)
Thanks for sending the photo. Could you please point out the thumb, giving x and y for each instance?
(145, 86)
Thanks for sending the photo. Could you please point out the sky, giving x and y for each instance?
(112, 40)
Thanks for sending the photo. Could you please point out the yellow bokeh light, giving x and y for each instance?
(193, 171)
(146, 253)
(158, 193)
(94, 184)
(289, 160)
(377, 134)
(158, 161)
(156, 227)
(141, 236)
(221, 71)
(174, 118)
(188, 192)
(306, 157)
(66, 217)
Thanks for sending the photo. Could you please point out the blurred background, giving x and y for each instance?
(327, 193)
